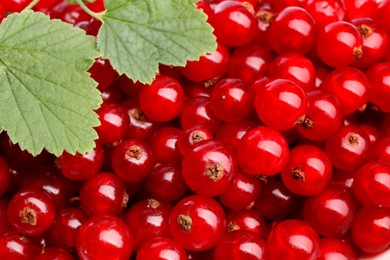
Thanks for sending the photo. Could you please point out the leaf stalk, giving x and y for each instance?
(89, 11)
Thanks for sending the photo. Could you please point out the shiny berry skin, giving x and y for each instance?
(281, 4)
(54, 253)
(31, 213)
(230, 134)
(332, 248)
(104, 237)
(193, 89)
(350, 86)
(132, 160)
(103, 193)
(165, 183)
(339, 44)
(371, 185)
(293, 239)
(5, 176)
(161, 248)
(209, 66)
(375, 42)
(234, 23)
(248, 62)
(230, 100)
(209, 168)
(331, 212)
(275, 201)
(381, 150)
(192, 136)
(308, 171)
(3, 215)
(15, 5)
(323, 116)
(359, 9)
(262, 151)
(65, 227)
(380, 87)
(197, 111)
(114, 121)
(162, 100)
(325, 11)
(294, 67)
(164, 145)
(82, 166)
(148, 219)
(241, 244)
(342, 179)
(347, 148)
(14, 246)
(292, 30)
(247, 219)
(197, 223)
(371, 229)
(286, 100)
(242, 192)
(69, 13)
(103, 73)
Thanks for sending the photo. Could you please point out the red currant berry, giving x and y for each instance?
(210, 66)
(163, 100)
(380, 87)
(247, 219)
(69, 13)
(293, 30)
(104, 237)
(293, 239)
(339, 44)
(192, 136)
(3, 215)
(331, 212)
(14, 246)
(54, 253)
(230, 134)
(262, 151)
(103, 73)
(161, 248)
(381, 150)
(332, 248)
(371, 185)
(359, 9)
(164, 145)
(31, 213)
(308, 171)
(148, 219)
(132, 160)
(347, 148)
(286, 100)
(197, 223)
(15, 5)
(5, 176)
(371, 229)
(234, 23)
(342, 179)
(325, 11)
(209, 168)
(230, 100)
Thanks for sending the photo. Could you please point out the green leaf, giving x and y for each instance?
(137, 35)
(46, 96)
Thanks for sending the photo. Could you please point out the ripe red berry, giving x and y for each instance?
(188, 138)
(54, 253)
(5, 176)
(380, 87)
(332, 248)
(15, 246)
(103, 73)
(247, 219)
(161, 248)
(164, 145)
(325, 11)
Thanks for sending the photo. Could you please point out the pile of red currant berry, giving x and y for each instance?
(274, 146)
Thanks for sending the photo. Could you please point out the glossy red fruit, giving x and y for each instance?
(325, 11)
(371, 229)
(230, 134)
(350, 86)
(359, 9)
(249, 62)
(332, 248)
(292, 30)
(241, 244)
(69, 13)
(31, 213)
(132, 160)
(15, 5)
(82, 166)
(339, 44)
(293, 239)
(5, 176)
(262, 151)
(380, 150)
(276, 202)
(209, 168)
(3, 215)
(331, 212)
(114, 121)
(234, 23)
(323, 116)
(165, 183)
(342, 179)
(294, 67)
(104, 237)
(380, 87)
(103, 73)
(103, 193)
(242, 192)
(197, 223)
(347, 148)
(308, 171)
(164, 145)
(162, 100)
(188, 138)
(54, 253)
(14, 246)
(65, 227)
(148, 219)
(161, 248)
(230, 100)
(286, 100)
(247, 219)
(371, 185)
(210, 66)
